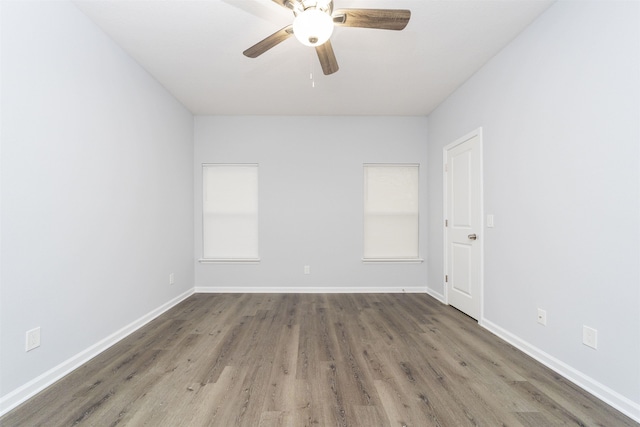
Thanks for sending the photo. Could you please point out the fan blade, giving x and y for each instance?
(384, 19)
(327, 58)
(271, 41)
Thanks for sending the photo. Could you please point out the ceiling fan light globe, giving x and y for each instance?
(313, 27)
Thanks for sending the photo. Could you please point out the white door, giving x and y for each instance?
(463, 223)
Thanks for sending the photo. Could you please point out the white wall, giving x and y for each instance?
(311, 199)
(97, 190)
(560, 112)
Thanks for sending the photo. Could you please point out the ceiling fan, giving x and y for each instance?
(313, 25)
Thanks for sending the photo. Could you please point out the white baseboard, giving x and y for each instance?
(309, 290)
(436, 295)
(602, 392)
(26, 391)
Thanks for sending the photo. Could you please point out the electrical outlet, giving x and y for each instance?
(542, 317)
(307, 269)
(171, 279)
(33, 339)
(590, 337)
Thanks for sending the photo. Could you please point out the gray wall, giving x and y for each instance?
(97, 197)
(560, 112)
(311, 198)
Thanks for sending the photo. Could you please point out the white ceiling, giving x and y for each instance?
(194, 49)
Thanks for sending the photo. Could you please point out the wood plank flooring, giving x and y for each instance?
(313, 360)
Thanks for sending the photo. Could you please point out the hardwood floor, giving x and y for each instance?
(313, 360)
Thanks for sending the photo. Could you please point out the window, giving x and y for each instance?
(391, 212)
(230, 212)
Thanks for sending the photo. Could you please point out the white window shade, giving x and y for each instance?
(230, 212)
(391, 212)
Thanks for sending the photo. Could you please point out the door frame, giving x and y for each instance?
(477, 132)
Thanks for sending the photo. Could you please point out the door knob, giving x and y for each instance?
(472, 237)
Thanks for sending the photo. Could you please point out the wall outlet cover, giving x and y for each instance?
(590, 337)
(542, 317)
(33, 339)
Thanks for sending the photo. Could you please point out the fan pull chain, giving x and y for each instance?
(311, 58)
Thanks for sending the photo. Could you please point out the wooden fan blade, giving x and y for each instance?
(384, 19)
(327, 58)
(271, 41)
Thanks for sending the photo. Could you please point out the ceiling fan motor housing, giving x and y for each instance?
(299, 6)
